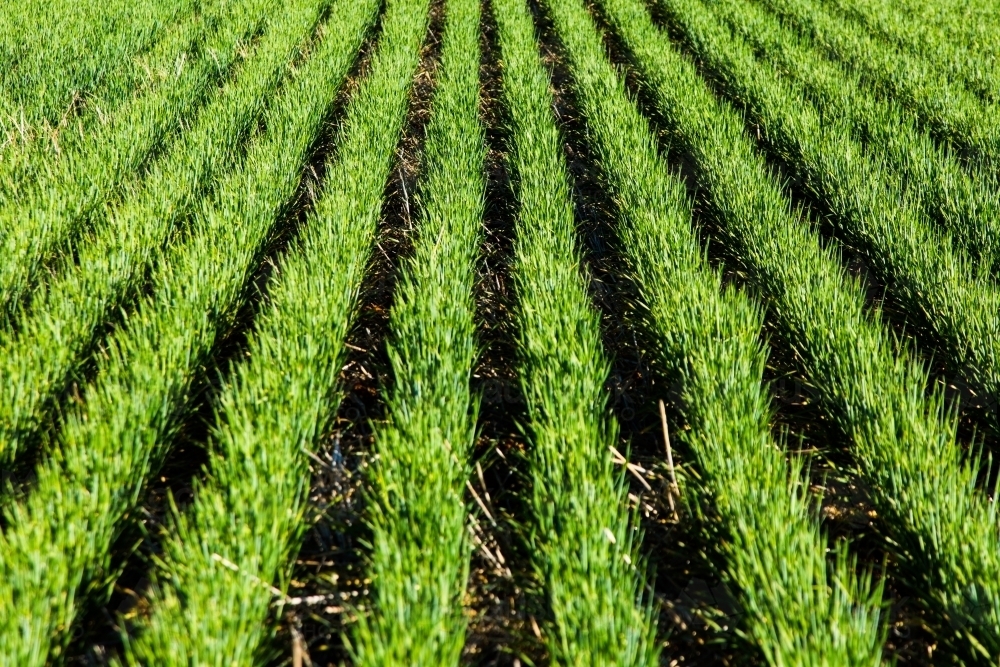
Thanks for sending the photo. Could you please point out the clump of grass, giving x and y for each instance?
(31, 150)
(57, 54)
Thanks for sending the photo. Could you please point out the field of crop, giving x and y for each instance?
(499, 332)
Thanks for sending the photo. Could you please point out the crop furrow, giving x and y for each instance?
(56, 550)
(941, 531)
(211, 605)
(802, 609)
(420, 546)
(958, 306)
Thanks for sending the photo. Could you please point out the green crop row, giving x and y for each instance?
(801, 608)
(967, 207)
(870, 206)
(940, 530)
(67, 200)
(66, 316)
(949, 110)
(214, 595)
(584, 537)
(56, 551)
(420, 548)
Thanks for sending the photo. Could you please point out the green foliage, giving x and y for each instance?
(241, 533)
(58, 54)
(43, 357)
(943, 533)
(959, 39)
(54, 212)
(594, 585)
(870, 206)
(968, 206)
(56, 550)
(29, 147)
(420, 547)
(801, 608)
(950, 111)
